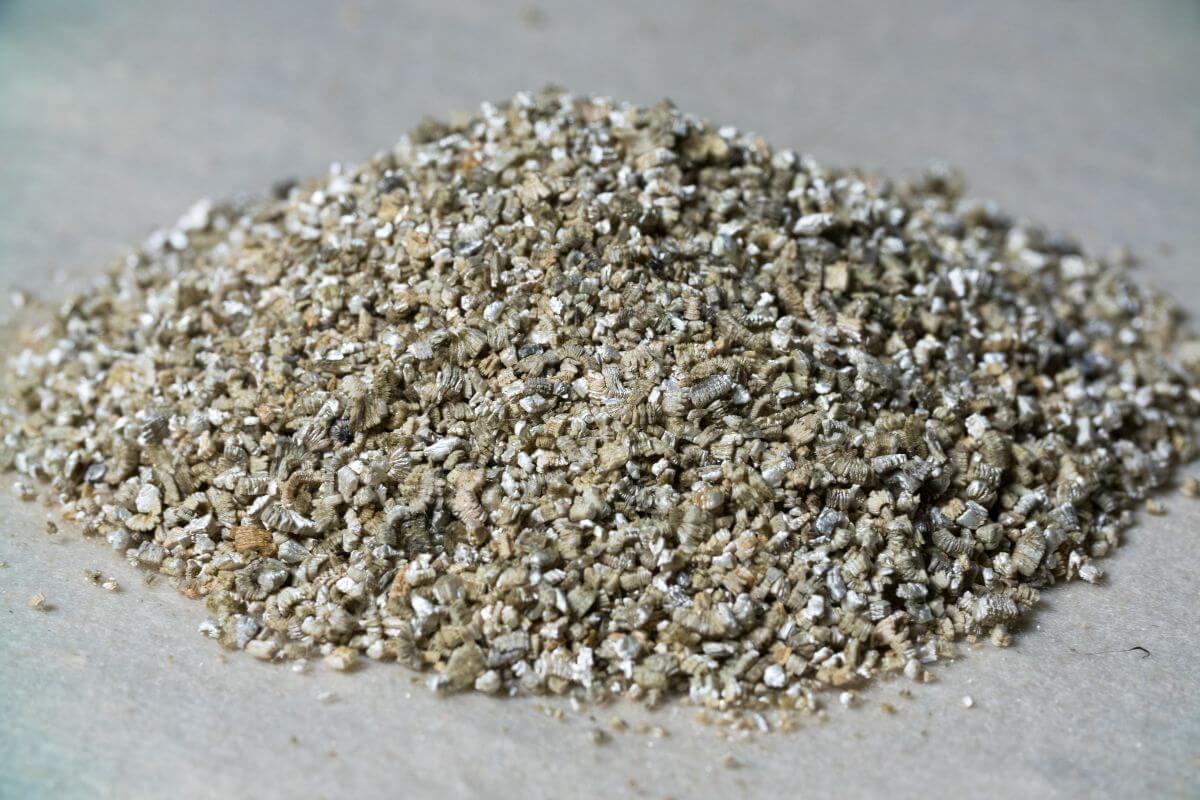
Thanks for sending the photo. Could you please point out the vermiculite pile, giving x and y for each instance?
(577, 396)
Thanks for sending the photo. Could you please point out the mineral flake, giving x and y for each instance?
(573, 396)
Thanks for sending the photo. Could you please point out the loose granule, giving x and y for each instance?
(580, 397)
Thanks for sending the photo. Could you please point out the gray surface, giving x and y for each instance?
(115, 116)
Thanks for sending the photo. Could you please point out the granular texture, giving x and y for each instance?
(573, 396)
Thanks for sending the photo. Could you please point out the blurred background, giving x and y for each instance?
(115, 115)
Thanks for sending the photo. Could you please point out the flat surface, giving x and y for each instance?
(114, 117)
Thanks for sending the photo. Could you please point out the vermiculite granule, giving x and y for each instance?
(582, 397)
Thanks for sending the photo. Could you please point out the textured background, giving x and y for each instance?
(115, 116)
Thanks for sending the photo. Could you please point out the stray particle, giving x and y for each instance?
(342, 659)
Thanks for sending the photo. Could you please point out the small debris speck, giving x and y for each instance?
(342, 659)
(533, 17)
